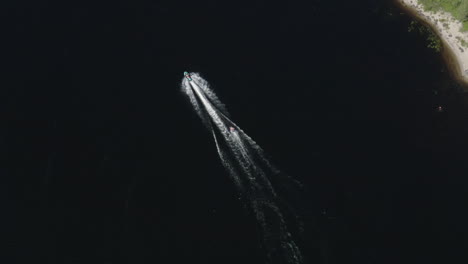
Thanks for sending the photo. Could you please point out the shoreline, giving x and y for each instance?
(454, 53)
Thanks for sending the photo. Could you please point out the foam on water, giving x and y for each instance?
(249, 169)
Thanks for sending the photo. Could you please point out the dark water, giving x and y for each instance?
(103, 160)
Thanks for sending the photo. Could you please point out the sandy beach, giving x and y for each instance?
(448, 30)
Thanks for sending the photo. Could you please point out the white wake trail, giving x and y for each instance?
(203, 84)
(249, 169)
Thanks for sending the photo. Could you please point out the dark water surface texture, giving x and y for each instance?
(103, 160)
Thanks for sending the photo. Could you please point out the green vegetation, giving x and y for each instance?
(463, 42)
(433, 40)
(444, 23)
(458, 8)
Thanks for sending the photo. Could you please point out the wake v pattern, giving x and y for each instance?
(248, 167)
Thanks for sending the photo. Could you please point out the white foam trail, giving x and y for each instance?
(249, 169)
(198, 109)
(205, 87)
(225, 160)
